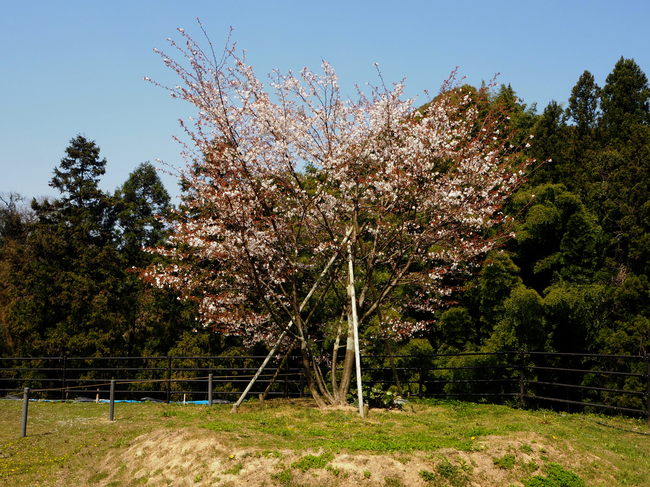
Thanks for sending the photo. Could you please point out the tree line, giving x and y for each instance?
(67, 285)
(573, 278)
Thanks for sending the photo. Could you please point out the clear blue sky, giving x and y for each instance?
(77, 67)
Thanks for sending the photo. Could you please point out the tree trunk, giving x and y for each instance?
(348, 364)
(310, 379)
(335, 357)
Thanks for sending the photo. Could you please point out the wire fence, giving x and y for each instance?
(570, 381)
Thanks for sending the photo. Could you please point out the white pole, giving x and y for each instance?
(355, 326)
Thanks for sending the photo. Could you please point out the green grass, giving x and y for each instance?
(65, 440)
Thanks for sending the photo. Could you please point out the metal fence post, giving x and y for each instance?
(23, 424)
(210, 390)
(421, 379)
(286, 377)
(169, 378)
(521, 379)
(64, 393)
(647, 393)
(111, 408)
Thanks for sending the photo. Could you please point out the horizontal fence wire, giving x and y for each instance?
(579, 381)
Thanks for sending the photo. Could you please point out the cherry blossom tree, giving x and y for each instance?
(306, 215)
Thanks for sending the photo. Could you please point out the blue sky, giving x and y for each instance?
(77, 67)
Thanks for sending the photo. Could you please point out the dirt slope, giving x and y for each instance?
(198, 458)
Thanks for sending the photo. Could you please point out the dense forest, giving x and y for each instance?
(574, 278)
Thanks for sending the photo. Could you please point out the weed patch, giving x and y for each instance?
(427, 476)
(506, 462)
(457, 476)
(526, 449)
(313, 461)
(557, 476)
(393, 481)
(97, 477)
(234, 470)
(283, 477)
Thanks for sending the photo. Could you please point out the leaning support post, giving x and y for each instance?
(23, 423)
(355, 326)
(259, 371)
(277, 372)
(111, 407)
(286, 330)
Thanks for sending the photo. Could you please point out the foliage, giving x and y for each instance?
(142, 203)
(625, 98)
(584, 104)
(66, 287)
(68, 274)
(375, 397)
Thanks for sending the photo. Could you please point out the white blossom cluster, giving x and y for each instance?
(278, 175)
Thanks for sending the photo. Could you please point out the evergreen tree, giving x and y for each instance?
(154, 321)
(14, 223)
(625, 100)
(66, 290)
(14, 217)
(66, 286)
(140, 203)
(78, 175)
(584, 104)
(558, 240)
(549, 147)
(522, 117)
(620, 169)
